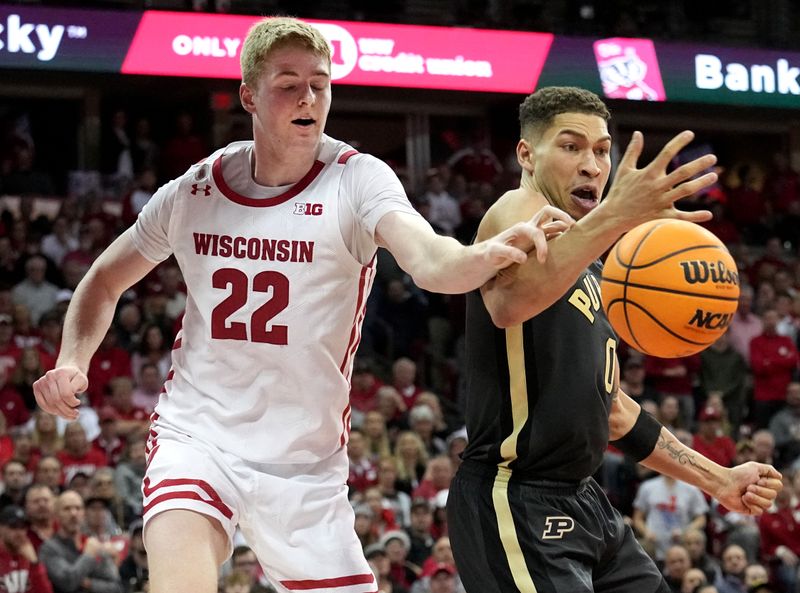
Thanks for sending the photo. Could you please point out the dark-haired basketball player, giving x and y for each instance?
(543, 385)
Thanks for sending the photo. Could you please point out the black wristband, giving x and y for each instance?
(640, 441)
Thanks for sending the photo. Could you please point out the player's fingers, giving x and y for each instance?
(763, 491)
(61, 397)
(555, 226)
(769, 472)
(670, 150)
(508, 254)
(67, 392)
(52, 396)
(79, 382)
(540, 241)
(755, 502)
(691, 187)
(41, 390)
(691, 169)
(696, 216)
(551, 213)
(632, 152)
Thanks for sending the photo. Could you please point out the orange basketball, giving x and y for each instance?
(670, 288)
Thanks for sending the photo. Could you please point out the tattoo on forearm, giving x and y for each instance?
(680, 453)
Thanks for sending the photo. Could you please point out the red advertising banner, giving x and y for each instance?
(367, 54)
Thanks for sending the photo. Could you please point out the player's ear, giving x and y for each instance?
(525, 155)
(246, 96)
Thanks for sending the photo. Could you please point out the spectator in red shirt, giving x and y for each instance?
(11, 403)
(780, 544)
(384, 518)
(773, 360)
(48, 473)
(25, 452)
(6, 442)
(50, 326)
(364, 387)
(20, 570)
(363, 472)
(476, 162)
(9, 352)
(14, 483)
(78, 454)
(108, 362)
(108, 441)
(183, 149)
(40, 508)
(709, 441)
(437, 478)
(404, 376)
(675, 376)
(28, 370)
(131, 418)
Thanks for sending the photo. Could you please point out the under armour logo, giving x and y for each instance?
(556, 527)
(196, 188)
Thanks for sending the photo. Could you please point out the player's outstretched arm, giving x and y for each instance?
(636, 195)
(442, 264)
(88, 317)
(749, 488)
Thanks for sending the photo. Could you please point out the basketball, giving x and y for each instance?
(669, 288)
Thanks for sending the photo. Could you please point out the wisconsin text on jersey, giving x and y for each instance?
(253, 248)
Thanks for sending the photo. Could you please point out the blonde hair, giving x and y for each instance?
(270, 33)
(404, 472)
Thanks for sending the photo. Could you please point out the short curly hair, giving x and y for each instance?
(539, 109)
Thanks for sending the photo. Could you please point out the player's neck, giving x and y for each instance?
(274, 166)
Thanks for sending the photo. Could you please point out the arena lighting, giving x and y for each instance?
(201, 45)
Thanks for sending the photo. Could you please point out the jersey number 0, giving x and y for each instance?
(222, 329)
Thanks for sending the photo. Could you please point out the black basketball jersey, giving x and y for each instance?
(539, 394)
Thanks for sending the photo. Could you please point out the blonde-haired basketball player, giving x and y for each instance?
(276, 239)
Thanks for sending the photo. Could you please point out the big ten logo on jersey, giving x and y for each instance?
(556, 527)
(307, 209)
(586, 296)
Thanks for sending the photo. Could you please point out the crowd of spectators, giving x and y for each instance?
(71, 503)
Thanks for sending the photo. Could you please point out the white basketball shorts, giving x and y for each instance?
(296, 518)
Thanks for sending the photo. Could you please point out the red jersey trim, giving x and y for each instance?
(346, 156)
(367, 274)
(238, 198)
(215, 500)
(353, 579)
(187, 495)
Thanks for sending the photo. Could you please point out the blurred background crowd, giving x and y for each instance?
(71, 492)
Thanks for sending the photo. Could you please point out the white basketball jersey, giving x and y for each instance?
(275, 302)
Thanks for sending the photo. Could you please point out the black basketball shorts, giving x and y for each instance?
(514, 535)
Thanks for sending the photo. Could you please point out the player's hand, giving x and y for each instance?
(56, 391)
(751, 488)
(512, 245)
(639, 195)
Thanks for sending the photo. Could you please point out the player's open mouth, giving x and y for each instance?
(304, 121)
(585, 196)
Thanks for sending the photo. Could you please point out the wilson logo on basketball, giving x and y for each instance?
(707, 320)
(700, 271)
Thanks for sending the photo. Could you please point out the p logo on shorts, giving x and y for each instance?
(556, 527)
